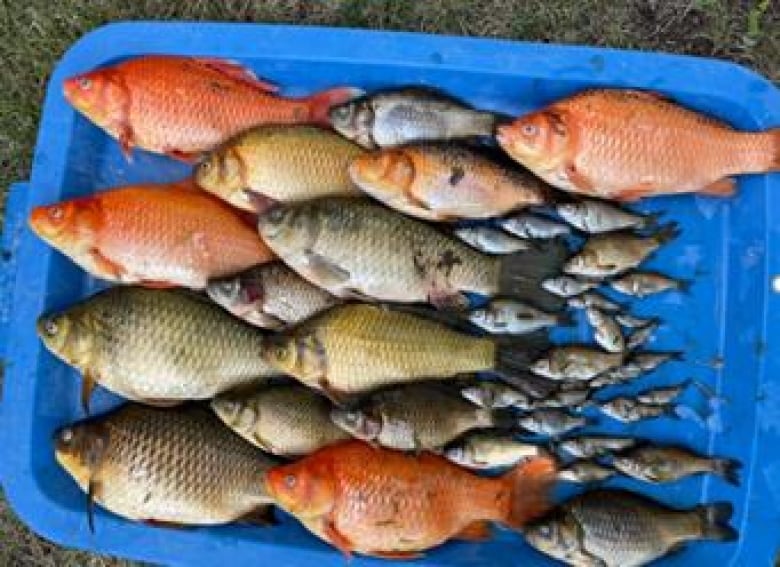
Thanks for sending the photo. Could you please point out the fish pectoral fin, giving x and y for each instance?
(447, 300)
(263, 516)
(88, 383)
(166, 524)
(104, 267)
(327, 273)
(578, 179)
(475, 531)
(126, 139)
(190, 158)
(725, 187)
(336, 396)
(258, 202)
(397, 555)
(337, 539)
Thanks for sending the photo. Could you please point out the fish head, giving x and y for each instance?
(238, 294)
(222, 172)
(62, 334)
(302, 356)
(80, 450)
(286, 228)
(557, 535)
(358, 423)
(354, 120)
(69, 226)
(538, 140)
(234, 413)
(99, 95)
(459, 454)
(306, 489)
(386, 175)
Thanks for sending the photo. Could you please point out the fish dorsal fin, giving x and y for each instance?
(235, 70)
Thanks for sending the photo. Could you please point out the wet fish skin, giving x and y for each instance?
(662, 395)
(490, 240)
(590, 446)
(485, 450)
(606, 329)
(156, 346)
(629, 410)
(569, 286)
(528, 225)
(490, 394)
(644, 284)
(632, 322)
(194, 470)
(408, 114)
(552, 422)
(284, 419)
(594, 217)
(649, 361)
(668, 464)
(617, 528)
(506, 316)
(593, 299)
(585, 472)
(575, 362)
(271, 296)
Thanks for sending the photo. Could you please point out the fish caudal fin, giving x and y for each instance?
(714, 521)
(522, 273)
(321, 103)
(514, 356)
(728, 469)
(529, 484)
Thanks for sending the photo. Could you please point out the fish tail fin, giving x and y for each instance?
(714, 521)
(529, 485)
(503, 418)
(667, 232)
(514, 355)
(684, 286)
(321, 103)
(521, 274)
(728, 469)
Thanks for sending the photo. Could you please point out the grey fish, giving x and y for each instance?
(575, 398)
(507, 316)
(593, 299)
(649, 361)
(606, 330)
(617, 528)
(632, 322)
(552, 422)
(585, 472)
(619, 375)
(612, 253)
(642, 335)
(491, 394)
(270, 296)
(575, 362)
(356, 248)
(642, 284)
(629, 410)
(590, 446)
(410, 114)
(668, 464)
(594, 217)
(662, 395)
(490, 240)
(490, 449)
(569, 286)
(528, 225)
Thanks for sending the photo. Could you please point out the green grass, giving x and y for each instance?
(35, 33)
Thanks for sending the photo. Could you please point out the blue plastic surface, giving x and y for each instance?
(730, 248)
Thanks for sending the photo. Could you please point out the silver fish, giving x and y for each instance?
(575, 398)
(632, 322)
(490, 449)
(606, 330)
(642, 284)
(410, 114)
(575, 362)
(527, 225)
(585, 472)
(649, 361)
(590, 446)
(593, 299)
(598, 216)
(490, 394)
(629, 410)
(619, 375)
(507, 316)
(642, 335)
(669, 464)
(491, 240)
(610, 254)
(552, 422)
(663, 395)
(569, 286)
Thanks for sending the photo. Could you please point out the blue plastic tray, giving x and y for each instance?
(730, 248)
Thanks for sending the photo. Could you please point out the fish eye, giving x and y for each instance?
(56, 213)
(205, 166)
(290, 480)
(50, 327)
(545, 531)
(66, 435)
(280, 352)
(529, 130)
(276, 215)
(84, 83)
(341, 112)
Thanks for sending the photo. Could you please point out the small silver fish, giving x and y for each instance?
(491, 240)
(642, 284)
(593, 299)
(489, 449)
(610, 254)
(507, 316)
(585, 472)
(552, 422)
(576, 398)
(590, 446)
(527, 225)
(598, 216)
(619, 375)
(642, 335)
(575, 362)
(649, 361)
(662, 395)
(629, 410)
(495, 395)
(669, 464)
(632, 322)
(606, 330)
(569, 286)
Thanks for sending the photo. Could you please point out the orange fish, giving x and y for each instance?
(184, 106)
(154, 235)
(625, 145)
(391, 504)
